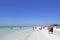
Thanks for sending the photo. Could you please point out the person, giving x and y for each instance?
(50, 29)
(33, 28)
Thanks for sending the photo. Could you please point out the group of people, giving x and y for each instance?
(34, 28)
(50, 29)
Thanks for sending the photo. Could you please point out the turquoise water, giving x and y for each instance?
(5, 31)
(8, 30)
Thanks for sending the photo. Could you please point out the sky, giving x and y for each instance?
(29, 12)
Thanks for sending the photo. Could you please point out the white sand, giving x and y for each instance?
(35, 35)
(43, 35)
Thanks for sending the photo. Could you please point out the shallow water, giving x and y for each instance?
(23, 31)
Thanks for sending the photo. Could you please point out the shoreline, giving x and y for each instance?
(30, 34)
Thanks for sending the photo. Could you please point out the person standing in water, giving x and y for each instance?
(33, 28)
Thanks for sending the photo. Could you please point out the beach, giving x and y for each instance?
(44, 35)
(29, 34)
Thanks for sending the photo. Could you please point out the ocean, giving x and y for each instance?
(6, 33)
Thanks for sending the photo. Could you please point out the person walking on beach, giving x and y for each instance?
(50, 29)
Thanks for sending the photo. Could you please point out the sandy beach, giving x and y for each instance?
(43, 35)
(32, 35)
